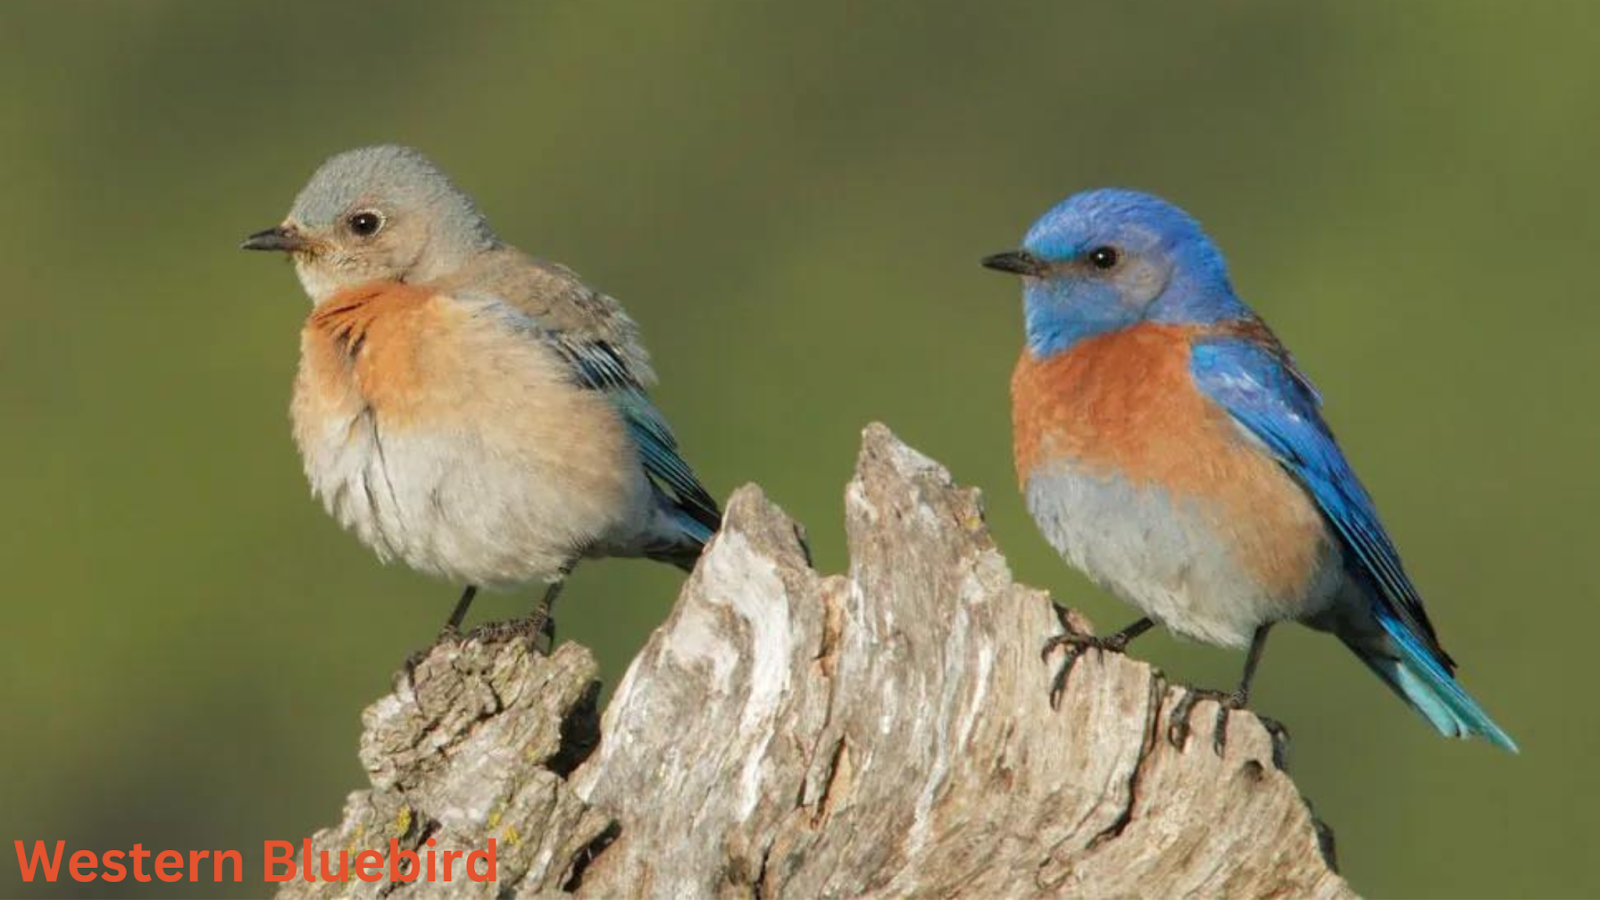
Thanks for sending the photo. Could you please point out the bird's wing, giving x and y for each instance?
(555, 297)
(1252, 377)
(597, 365)
(600, 343)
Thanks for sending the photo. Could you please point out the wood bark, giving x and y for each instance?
(882, 733)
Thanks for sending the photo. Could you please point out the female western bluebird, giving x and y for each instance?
(1170, 449)
(476, 413)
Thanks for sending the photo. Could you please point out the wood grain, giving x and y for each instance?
(883, 733)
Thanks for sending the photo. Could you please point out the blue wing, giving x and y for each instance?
(598, 366)
(1254, 379)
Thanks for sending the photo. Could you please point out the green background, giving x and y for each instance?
(791, 199)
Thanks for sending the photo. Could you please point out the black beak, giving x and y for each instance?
(282, 238)
(1018, 262)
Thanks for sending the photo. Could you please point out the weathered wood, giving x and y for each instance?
(786, 734)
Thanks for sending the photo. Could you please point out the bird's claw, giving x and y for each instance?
(1178, 720)
(548, 631)
(412, 660)
(1280, 742)
(528, 628)
(449, 634)
(1075, 644)
(540, 625)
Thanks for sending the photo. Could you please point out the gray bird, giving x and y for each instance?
(475, 413)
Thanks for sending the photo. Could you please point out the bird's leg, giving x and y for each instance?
(452, 628)
(540, 622)
(1227, 701)
(537, 623)
(1077, 644)
(450, 632)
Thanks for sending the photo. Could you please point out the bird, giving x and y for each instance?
(1169, 447)
(469, 410)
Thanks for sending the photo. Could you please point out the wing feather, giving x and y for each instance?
(1251, 376)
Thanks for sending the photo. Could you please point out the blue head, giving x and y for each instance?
(1109, 258)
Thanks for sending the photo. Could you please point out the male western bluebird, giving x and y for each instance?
(467, 409)
(1169, 448)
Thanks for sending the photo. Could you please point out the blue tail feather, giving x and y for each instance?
(682, 533)
(694, 526)
(1406, 665)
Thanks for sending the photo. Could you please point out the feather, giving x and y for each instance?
(1245, 370)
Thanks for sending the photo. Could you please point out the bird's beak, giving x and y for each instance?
(1018, 262)
(283, 238)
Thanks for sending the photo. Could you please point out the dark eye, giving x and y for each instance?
(366, 223)
(1104, 257)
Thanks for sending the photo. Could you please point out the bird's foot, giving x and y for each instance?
(1280, 742)
(449, 634)
(1075, 644)
(530, 628)
(1178, 720)
(412, 660)
(540, 625)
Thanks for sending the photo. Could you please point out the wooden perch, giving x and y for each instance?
(787, 734)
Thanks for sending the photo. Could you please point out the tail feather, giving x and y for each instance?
(688, 531)
(1424, 682)
(695, 527)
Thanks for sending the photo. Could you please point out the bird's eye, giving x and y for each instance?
(1104, 257)
(366, 223)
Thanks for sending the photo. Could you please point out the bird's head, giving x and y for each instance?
(1109, 258)
(383, 213)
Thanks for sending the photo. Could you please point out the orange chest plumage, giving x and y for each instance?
(364, 345)
(1123, 409)
(1124, 402)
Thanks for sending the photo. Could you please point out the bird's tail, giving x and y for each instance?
(1422, 680)
(689, 530)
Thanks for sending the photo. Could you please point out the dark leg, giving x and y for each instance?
(540, 622)
(536, 624)
(450, 632)
(1178, 721)
(452, 628)
(1078, 644)
(1258, 646)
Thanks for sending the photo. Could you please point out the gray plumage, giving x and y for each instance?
(462, 407)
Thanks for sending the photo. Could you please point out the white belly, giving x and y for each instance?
(444, 506)
(1172, 561)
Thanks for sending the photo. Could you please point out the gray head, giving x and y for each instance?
(383, 213)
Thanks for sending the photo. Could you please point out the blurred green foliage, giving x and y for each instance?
(791, 199)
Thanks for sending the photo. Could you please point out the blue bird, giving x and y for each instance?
(1169, 448)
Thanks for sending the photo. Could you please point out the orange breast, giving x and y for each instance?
(1124, 401)
(364, 344)
(1124, 405)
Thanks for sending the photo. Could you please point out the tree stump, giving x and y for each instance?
(885, 733)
